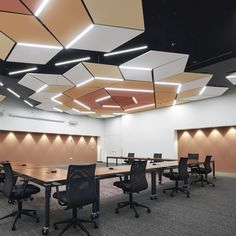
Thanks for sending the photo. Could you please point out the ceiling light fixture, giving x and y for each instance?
(135, 68)
(72, 61)
(22, 71)
(232, 76)
(110, 106)
(202, 91)
(83, 112)
(81, 104)
(80, 36)
(57, 109)
(130, 90)
(137, 108)
(11, 91)
(170, 84)
(28, 103)
(174, 103)
(103, 98)
(41, 7)
(42, 88)
(1, 84)
(39, 46)
(125, 51)
(85, 82)
(135, 101)
(58, 95)
(107, 78)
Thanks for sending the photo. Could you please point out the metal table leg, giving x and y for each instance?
(116, 161)
(96, 205)
(45, 229)
(160, 173)
(107, 162)
(213, 171)
(153, 185)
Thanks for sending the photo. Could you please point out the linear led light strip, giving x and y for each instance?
(174, 103)
(58, 95)
(103, 98)
(171, 84)
(125, 51)
(11, 91)
(83, 112)
(130, 90)
(31, 105)
(57, 109)
(137, 108)
(110, 106)
(108, 78)
(85, 82)
(39, 46)
(135, 101)
(1, 84)
(22, 71)
(42, 88)
(80, 36)
(41, 7)
(202, 91)
(72, 61)
(81, 104)
(135, 68)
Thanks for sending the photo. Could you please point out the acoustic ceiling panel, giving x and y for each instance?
(122, 13)
(232, 78)
(196, 84)
(63, 108)
(43, 97)
(162, 97)
(56, 88)
(79, 92)
(139, 109)
(137, 75)
(63, 99)
(6, 45)
(32, 54)
(74, 105)
(215, 91)
(2, 97)
(134, 85)
(13, 6)
(45, 107)
(189, 93)
(25, 29)
(166, 88)
(31, 82)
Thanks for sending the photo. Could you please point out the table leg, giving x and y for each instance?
(213, 171)
(160, 173)
(96, 205)
(45, 229)
(107, 162)
(153, 185)
(116, 161)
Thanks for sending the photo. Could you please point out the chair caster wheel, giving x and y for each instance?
(45, 231)
(96, 226)
(188, 196)
(13, 228)
(148, 210)
(55, 227)
(137, 215)
(164, 191)
(116, 211)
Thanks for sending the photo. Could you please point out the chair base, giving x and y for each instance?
(177, 189)
(17, 214)
(203, 180)
(74, 221)
(132, 204)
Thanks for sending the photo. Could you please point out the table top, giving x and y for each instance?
(144, 158)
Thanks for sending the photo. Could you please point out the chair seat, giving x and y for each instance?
(29, 190)
(173, 176)
(61, 196)
(125, 185)
(2, 177)
(201, 171)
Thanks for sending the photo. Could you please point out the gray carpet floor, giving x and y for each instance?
(208, 211)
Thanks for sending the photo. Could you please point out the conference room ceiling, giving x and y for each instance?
(186, 41)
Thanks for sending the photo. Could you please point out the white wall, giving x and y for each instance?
(155, 131)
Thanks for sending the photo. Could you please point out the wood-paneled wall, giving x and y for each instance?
(47, 149)
(219, 142)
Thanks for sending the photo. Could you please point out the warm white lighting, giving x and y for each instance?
(202, 90)
(83, 105)
(41, 7)
(85, 82)
(72, 61)
(28, 103)
(79, 36)
(232, 76)
(110, 106)
(135, 101)
(1, 84)
(135, 68)
(170, 84)
(11, 91)
(130, 90)
(125, 51)
(174, 103)
(103, 98)
(106, 78)
(42, 88)
(57, 109)
(22, 71)
(137, 108)
(39, 45)
(75, 110)
(58, 95)
(83, 112)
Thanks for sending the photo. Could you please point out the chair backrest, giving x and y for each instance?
(183, 168)
(9, 181)
(207, 164)
(138, 179)
(81, 185)
(130, 154)
(157, 155)
(193, 156)
(130, 161)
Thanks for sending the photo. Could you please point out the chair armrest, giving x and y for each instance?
(121, 175)
(57, 184)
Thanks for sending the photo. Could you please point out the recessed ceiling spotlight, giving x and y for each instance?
(125, 51)
(57, 109)
(41, 7)
(135, 68)
(39, 46)
(28, 103)
(1, 84)
(103, 98)
(85, 82)
(202, 91)
(130, 90)
(13, 92)
(137, 108)
(170, 84)
(80, 36)
(81, 104)
(22, 71)
(42, 88)
(72, 61)
(107, 78)
(135, 101)
(110, 106)
(58, 95)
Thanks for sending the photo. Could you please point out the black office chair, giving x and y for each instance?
(17, 193)
(181, 175)
(80, 191)
(129, 161)
(204, 171)
(193, 167)
(135, 184)
(158, 156)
